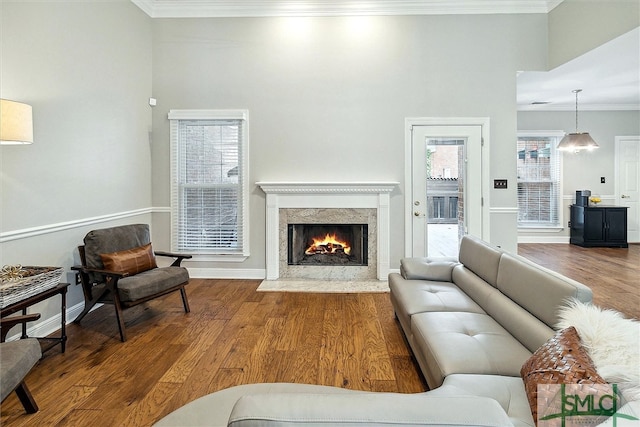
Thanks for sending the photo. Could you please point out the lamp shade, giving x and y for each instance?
(577, 141)
(16, 123)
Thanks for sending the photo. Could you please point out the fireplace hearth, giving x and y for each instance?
(327, 244)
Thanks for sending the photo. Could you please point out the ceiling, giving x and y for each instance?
(609, 75)
(236, 8)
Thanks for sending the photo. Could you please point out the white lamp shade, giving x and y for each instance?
(577, 141)
(16, 123)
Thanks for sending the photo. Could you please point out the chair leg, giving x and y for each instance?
(88, 305)
(26, 398)
(120, 319)
(185, 301)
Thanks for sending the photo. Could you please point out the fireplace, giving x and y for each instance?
(359, 203)
(327, 244)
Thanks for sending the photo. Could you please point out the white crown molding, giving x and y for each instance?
(259, 8)
(583, 107)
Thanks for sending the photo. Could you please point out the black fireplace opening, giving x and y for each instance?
(327, 244)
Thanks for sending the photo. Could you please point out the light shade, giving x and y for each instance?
(577, 141)
(16, 123)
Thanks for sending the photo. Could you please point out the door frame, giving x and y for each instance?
(617, 190)
(484, 123)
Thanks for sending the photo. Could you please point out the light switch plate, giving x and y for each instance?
(499, 183)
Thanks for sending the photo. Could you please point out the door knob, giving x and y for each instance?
(625, 196)
(416, 213)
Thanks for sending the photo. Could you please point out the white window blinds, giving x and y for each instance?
(539, 181)
(209, 173)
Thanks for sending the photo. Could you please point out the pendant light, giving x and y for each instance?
(579, 140)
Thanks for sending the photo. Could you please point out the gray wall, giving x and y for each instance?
(329, 105)
(324, 100)
(578, 26)
(85, 67)
(582, 170)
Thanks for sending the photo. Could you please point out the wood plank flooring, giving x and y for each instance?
(613, 274)
(235, 335)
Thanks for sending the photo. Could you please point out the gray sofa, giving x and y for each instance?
(471, 323)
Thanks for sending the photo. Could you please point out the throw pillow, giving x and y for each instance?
(612, 341)
(131, 261)
(561, 360)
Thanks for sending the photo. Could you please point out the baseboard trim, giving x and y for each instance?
(543, 239)
(227, 273)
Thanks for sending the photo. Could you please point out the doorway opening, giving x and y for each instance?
(445, 195)
(447, 180)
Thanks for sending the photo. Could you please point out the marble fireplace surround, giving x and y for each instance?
(363, 199)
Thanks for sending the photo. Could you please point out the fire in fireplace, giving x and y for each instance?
(327, 244)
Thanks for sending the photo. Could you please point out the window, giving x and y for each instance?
(209, 195)
(438, 207)
(539, 180)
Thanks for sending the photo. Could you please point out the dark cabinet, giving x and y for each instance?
(599, 226)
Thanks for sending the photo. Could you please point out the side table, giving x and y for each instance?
(45, 342)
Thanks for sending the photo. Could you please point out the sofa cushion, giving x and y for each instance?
(365, 409)
(481, 258)
(213, 410)
(466, 343)
(538, 290)
(507, 391)
(141, 285)
(524, 326)
(131, 261)
(438, 269)
(417, 296)
(561, 360)
(16, 360)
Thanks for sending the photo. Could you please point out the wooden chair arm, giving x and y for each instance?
(6, 323)
(114, 274)
(179, 257)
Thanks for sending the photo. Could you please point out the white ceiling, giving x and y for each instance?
(235, 8)
(609, 75)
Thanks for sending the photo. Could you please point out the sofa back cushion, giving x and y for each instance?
(538, 290)
(481, 258)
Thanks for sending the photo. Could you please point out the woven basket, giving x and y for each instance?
(33, 281)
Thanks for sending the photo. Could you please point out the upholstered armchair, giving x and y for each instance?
(17, 358)
(119, 268)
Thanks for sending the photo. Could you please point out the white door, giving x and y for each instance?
(423, 138)
(628, 182)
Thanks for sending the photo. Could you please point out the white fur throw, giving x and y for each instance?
(613, 342)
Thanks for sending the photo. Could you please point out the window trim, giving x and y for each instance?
(175, 116)
(560, 198)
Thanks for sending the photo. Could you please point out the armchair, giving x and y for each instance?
(119, 268)
(17, 358)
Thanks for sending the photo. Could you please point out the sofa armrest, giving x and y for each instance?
(430, 268)
(366, 409)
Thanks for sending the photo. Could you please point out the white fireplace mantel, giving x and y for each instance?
(283, 195)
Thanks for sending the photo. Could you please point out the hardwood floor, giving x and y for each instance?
(235, 335)
(613, 274)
